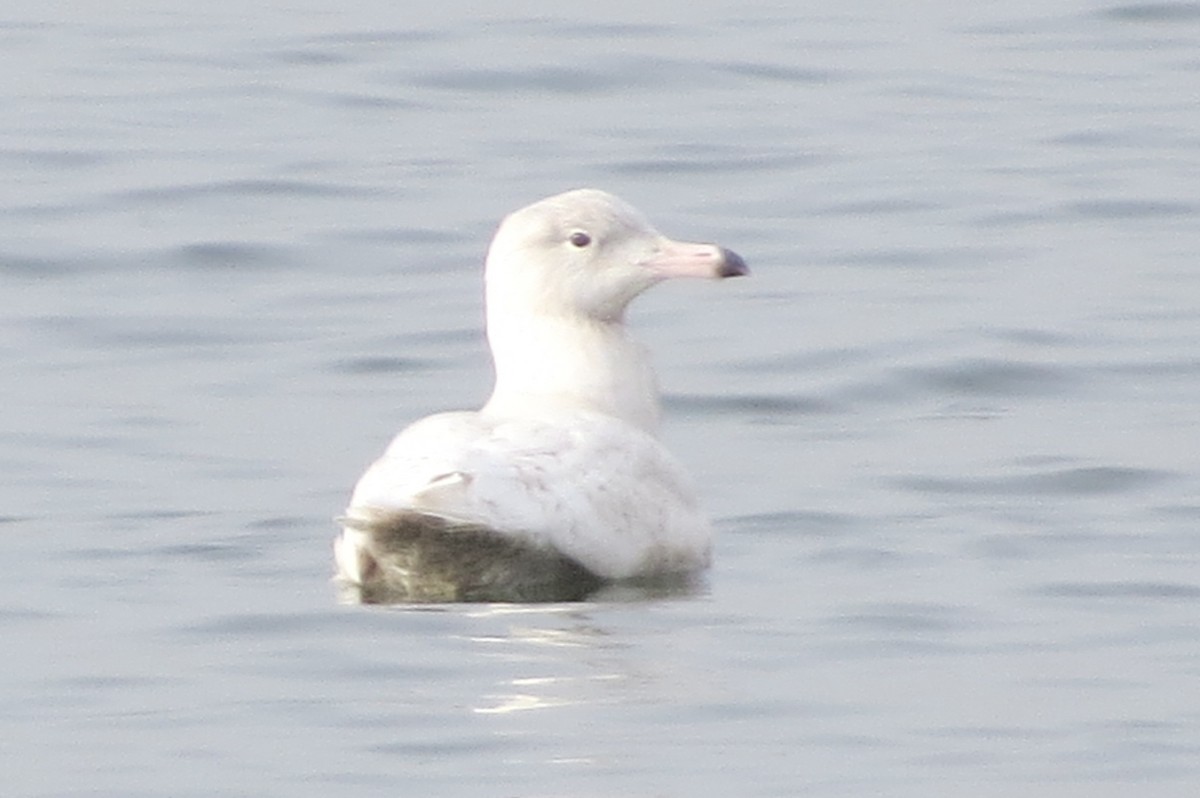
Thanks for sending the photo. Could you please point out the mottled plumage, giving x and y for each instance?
(558, 483)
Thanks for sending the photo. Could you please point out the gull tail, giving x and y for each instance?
(411, 556)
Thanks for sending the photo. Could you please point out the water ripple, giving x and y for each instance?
(806, 522)
(556, 80)
(152, 332)
(598, 29)
(1121, 590)
(1108, 209)
(989, 377)
(778, 73)
(39, 266)
(1090, 481)
(748, 404)
(1153, 12)
(230, 254)
(55, 159)
(248, 187)
(676, 163)
(907, 618)
(381, 364)
(373, 39)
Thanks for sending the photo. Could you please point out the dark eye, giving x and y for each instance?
(580, 239)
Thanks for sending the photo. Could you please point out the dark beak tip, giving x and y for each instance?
(732, 265)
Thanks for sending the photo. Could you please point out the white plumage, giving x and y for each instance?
(558, 482)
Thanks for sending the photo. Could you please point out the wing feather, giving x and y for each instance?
(590, 486)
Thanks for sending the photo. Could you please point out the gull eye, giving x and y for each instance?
(580, 239)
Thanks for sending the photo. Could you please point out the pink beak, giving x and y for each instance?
(684, 259)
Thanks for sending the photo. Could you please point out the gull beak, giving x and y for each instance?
(685, 259)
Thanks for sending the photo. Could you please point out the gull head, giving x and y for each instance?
(587, 254)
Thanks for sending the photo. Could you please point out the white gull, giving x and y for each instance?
(559, 483)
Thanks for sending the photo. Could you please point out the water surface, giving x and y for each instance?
(947, 430)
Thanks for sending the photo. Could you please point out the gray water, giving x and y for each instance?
(948, 430)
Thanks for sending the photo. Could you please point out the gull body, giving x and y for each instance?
(558, 483)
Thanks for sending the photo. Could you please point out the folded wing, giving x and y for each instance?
(593, 488)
